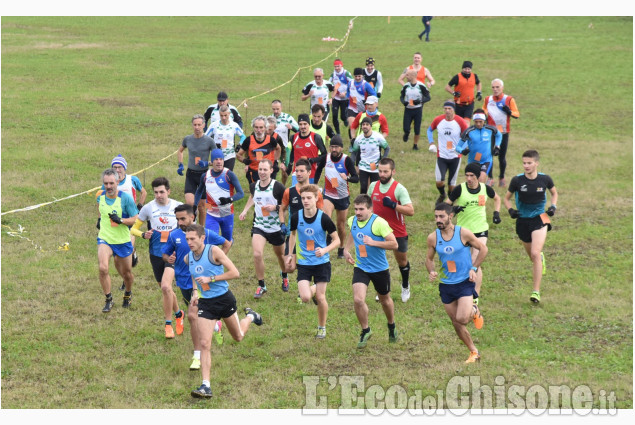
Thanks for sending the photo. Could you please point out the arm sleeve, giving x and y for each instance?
(430, 135)
(293, 223)
(425, 94)
(245, 145)
(329, 131)
(513, 185)
(383, 124)
(291, 161)
(349, 163)
(252, 188)
(329, 85)
(402, 195)
(454, 81)
(168, 248)
(294, 124)
(489, 190)
(213, 238)
(200, 191)
(476, 80)
(402, 96)
(513, 107)
(355, 122)
(237, 119)
(285, 198)
(136, 183)
(278, 191)
(328, 225)
(320, 144)
(381, 227)
(380, 83)
(321, 162)
(549, 180)
(370, 90)
(386, 151)
(307, 89)
(233, 179)
(456, 193)
(208, 114)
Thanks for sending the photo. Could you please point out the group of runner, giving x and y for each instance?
(296, 221)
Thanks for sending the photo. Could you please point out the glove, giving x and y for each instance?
(312, 160)
(507, 110)
(225, 200)
(387, 202)
(180, 169)
(98, 223)
(115, 218)
(497, 217)
(479, 96)
(246, 161)
(551, 210)
(416, 102)
(465, 151)
(202, 163)
(139, 206)
(513, 213)
(405, 103)
(284, 230)
(457, 209)
(456, 94)
(378, 95)
(497, 151)
(432, 148)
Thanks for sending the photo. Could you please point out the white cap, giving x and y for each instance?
(371, 99)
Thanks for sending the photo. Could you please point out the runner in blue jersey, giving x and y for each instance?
(174, 251)
(532, 222)
(458, 273)
(312, 226)
(477, 142)
(357, 92)
(371, 236)
(211, 269)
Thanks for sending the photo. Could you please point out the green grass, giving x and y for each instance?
(78, 91)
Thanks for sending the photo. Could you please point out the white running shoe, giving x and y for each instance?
(405, 294)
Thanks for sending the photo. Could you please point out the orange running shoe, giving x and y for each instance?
(474, 357)
(477, 318)
(169, 332)
(179, 323)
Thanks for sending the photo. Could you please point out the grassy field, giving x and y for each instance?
(78, 91)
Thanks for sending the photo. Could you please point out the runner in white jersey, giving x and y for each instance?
(224, 132)
(160, 213)
(318, 91)
(449, 127)
(212, 114)
(368, 145)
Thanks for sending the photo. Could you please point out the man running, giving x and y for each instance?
(358, 91)
(212, 113)
(211, 269)
(340, 79)
(199, 146)
(380, 123)
(266, 197)
(470, 211)
(368, 146)
(221, 189)
(259, 146)
(391, 202)
(318, 91)
(312, 227)
(461, 86)
(285, 123)
(224, 132)
(413, 95)
(423, 73)
(372, 236)
(117, 212)
(532, 222)
(173, 252)
(305, 145)
(477, 141)
(373, 76)
(458, 273)
(319, 125)
(160, 214)
(449, 127)
(339, 171)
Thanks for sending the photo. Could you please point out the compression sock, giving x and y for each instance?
(261, 283)
(405, 274)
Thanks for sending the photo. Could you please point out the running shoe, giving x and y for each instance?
(405, 137)
(285, 283)
(196, 364)
(314, 300)
(377, 298)
(340, 253)
(321, 333)
(477, 317)
(126, 300)
(135, 258)
(218, 335)
(123, 286)
(474, 357)
(441, 198)
(502, 183)
(202, 392)
(393, 335)
(363, 339)
(415, 147)
(179, 323)
(260, 291)
(535, 297)
(476, 301)
(544, 265)
(169, 332)
(490, 182)
(405, 294)
(299, 300)
(107, 306)
(257, 317)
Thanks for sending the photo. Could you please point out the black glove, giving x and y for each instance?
(479, 96)
(513, 213)
(507, 110)
(405, 103)
(312, 160)
(497, 217)
(246, 161)
(497, 150)
(551, 210)
(457, 209)
(115, 218)
(236, 148)
(225, 200)
(416, 102)
(389, 202)
(378, 95)
(98, 223)
(465, 151)
(456, 94)
(139, 206)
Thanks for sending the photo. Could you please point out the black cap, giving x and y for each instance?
(474, 168)
(450, 104)
(358, 71)
(467, 64)
(337, 141)
(222, 96)
(367, 120)
(304, 117)
(369, 61)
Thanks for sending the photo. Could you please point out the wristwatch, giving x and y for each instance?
(212, 278)
(475, 269)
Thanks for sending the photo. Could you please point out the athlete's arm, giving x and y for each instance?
(430, 78)
(497, 199)
(514, 108)
(432, 241)
(248, 205)
(349, 163)
(554, 196)
(306, 91)
(134, 230)
(402, 76)
(233, 179)
(468, 238)
(179, 154)
(430, 135)
(386, 151)
(237, 118)
(231, 272)
(507, 199)
(369, 89)
(425, 94)
(389, 242)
